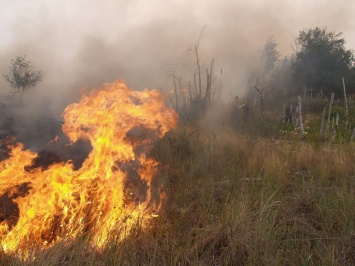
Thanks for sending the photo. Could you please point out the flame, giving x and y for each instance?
(113, 188)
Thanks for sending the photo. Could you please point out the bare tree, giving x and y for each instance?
(198, 62)
(22, 76)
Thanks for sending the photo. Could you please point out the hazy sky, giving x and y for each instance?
(79, 42)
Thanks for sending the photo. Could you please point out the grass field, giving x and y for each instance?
(233, 199)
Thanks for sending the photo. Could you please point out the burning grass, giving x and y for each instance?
(112, 189)
(232, 200)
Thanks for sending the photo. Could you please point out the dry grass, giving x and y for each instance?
(236, 200)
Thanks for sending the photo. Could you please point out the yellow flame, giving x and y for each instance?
(112, 188)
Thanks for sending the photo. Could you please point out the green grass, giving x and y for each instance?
(234, 199)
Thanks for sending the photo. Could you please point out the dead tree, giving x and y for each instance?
(198, 63)
(197, 103)
(196, 93)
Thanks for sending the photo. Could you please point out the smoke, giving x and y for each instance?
(79, 43)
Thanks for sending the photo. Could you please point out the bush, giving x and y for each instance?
(314, 105)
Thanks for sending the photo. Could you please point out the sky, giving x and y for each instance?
(78, 43)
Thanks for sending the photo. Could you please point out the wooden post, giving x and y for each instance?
(335, 128)
(321, 126)
(328, 122)
(346, 106)
(300, 115)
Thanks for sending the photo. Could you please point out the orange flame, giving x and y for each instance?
(112, 188)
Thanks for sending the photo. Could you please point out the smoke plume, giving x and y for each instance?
(79, 43)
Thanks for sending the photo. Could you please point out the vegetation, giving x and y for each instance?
(321, 60)
(270, 56)
(22, 75)
(256, 194)
(316, 68)
(230, 204)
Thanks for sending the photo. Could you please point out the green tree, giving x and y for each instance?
(282, 76)
(321, 60)
(22, 76)
(270, 55)
(268, 63)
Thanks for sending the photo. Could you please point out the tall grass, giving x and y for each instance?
(235, 200)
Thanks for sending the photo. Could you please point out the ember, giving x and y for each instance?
(51, 200)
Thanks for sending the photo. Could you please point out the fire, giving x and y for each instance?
(113, 188)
